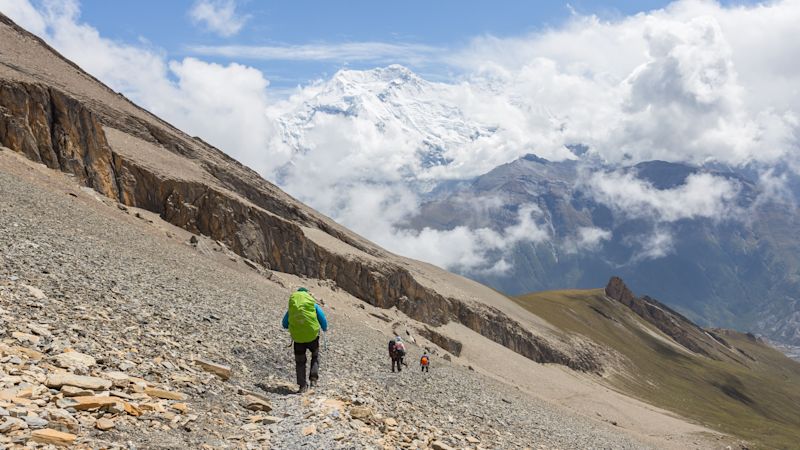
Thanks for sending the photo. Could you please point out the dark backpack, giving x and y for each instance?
(391, 348)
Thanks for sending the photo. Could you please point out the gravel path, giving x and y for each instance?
(139, 298)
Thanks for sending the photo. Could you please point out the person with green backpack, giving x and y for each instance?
(304, 319)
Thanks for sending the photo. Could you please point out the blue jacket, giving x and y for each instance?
(323, 321)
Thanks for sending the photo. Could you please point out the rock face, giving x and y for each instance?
(228, 203)
(673, 324)
(451, 345)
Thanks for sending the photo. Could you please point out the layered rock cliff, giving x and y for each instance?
(81, 127)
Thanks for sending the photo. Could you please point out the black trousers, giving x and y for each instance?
(425, 369)
(300, 361)
(397, 361)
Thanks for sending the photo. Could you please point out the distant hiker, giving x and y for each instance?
(397, 351)
(425, 361)
(303, 320)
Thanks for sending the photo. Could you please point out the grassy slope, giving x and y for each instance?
(758, 400)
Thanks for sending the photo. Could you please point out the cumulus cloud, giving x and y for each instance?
(218, 16)
(693, 82)
(702, 196)
(224, 104)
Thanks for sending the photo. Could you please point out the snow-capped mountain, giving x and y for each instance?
(419, 117)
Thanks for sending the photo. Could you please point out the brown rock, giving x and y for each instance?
(309, 430)
(220, 370)
(93, 383)
(73, 360)
(166, 395)
(26, 338)
(182, 407)
(254, 403)
(118, 379)
(93, 401)
(74, 391)
(389, 422)
(361, 412)
(104, 424)
(50, 436)
(132, 409)
(439, 445)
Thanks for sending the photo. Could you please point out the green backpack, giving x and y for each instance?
(303, 323)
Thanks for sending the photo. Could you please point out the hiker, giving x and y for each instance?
(303, 319)
(397, 351)
(424, 362)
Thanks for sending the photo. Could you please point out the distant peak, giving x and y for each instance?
(391, 73)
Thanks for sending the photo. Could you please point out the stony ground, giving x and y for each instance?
(103, 317)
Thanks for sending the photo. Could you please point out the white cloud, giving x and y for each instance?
(469, 250)
(587, 239)
(701, 196)
(225, 105)
(658, 244)
(219, 16)
(375, 52)
(24, 14)
(692, 82)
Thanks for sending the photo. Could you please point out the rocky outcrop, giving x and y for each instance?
(670, 322)
(50, 127)
(446, 343)
(54, 129)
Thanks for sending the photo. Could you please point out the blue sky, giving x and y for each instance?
(441, 24)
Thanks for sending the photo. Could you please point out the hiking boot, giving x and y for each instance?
(302, 389)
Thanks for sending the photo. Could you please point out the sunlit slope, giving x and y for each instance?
(742, 386)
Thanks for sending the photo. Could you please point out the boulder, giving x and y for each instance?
(61, 420)
(166, 395)
(74, 360)
(50, 436)
(12, 424)
(58, 380)
(254, 403)
(219, 370)
(34, 422)
(94, 401)
(104, 424)
(118, 379)
(74, 391)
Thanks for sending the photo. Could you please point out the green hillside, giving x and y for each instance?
(743, 387)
